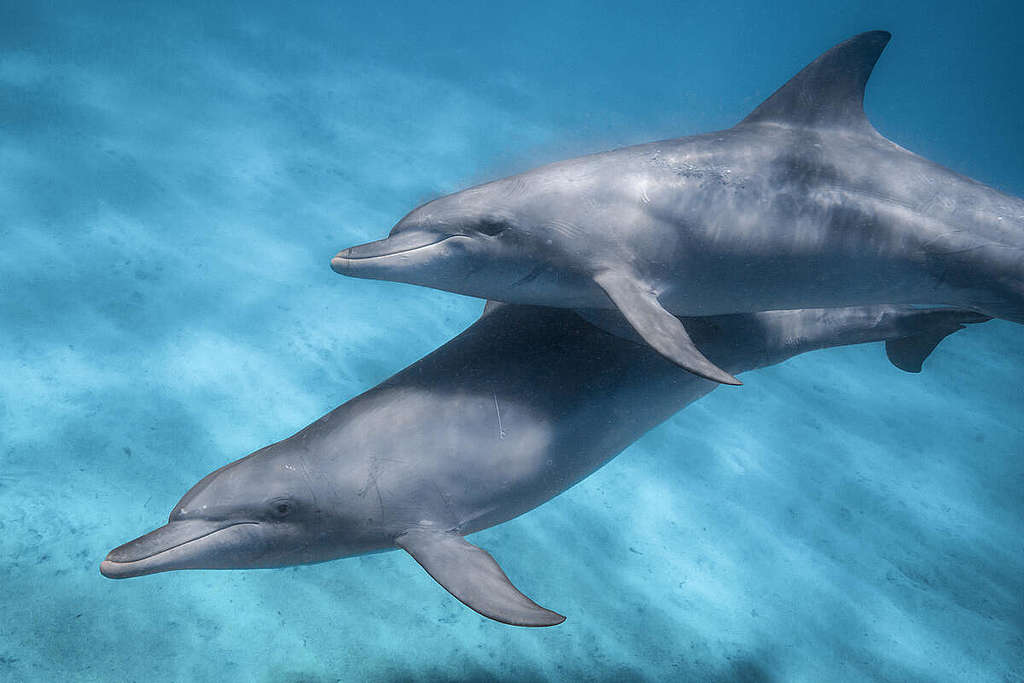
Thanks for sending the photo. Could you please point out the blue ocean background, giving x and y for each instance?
(174, 178)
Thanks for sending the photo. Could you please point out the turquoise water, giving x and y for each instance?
(173, 182)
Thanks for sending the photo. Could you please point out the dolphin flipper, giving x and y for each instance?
(471, 575)
(659, 328)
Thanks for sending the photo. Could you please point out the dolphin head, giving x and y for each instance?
(256, 512)
(488, 241)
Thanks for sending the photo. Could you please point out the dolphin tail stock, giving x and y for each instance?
(909, 352)
(471, 575)
(663, 331)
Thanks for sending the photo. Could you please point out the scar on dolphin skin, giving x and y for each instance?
(501, 432)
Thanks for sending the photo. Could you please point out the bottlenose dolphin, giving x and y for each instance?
(802, 204)
(518, 408)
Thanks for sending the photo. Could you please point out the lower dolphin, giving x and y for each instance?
(518, 408)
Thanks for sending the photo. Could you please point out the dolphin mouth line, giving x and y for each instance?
(340, 256)
(178, 545)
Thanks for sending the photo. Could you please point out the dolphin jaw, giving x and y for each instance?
(391, 246)
(147, 555)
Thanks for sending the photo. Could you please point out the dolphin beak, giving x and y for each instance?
(348, 261)
(192, 544)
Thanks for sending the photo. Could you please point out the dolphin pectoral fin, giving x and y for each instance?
(663, 331)
(471, 575)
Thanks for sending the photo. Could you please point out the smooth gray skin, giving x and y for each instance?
(803, 204)
(518, 408)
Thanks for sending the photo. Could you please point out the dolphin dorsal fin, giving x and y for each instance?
(927, 327)
(909, 353)
(828, 92)
(491, 306)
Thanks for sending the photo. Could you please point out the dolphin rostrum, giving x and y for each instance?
(518, 408)
(802, 204)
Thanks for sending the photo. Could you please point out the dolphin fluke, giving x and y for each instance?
(659, 328)
(471, 575)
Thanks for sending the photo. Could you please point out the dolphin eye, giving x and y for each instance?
(281, 508)
(491, 228)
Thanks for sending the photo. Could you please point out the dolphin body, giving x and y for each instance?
(802, 204)
(518, 408)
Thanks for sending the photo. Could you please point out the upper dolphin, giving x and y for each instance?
(515, 410)
(802, 204)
